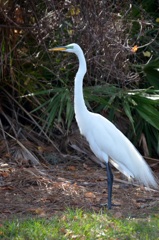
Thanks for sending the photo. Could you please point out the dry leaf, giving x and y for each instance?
(71, 168)
(38, 211)
(7, 188)
(63, 230)
(85, 166)
(89, 195)
(101, 178)
(134, 49)
(98, 199)
(4, 174)
(118, 214)
(7, 155)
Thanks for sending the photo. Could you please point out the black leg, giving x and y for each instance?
(110, 184)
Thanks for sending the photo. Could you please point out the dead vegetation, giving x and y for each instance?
(73, 181)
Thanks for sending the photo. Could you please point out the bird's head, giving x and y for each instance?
(73, 48)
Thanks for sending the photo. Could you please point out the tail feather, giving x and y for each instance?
(145, 175)
(138, 169)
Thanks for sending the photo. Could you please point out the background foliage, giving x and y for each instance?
(121, 44)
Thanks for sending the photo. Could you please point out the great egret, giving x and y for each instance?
(105, 140)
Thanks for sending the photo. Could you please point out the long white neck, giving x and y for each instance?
(79, 104)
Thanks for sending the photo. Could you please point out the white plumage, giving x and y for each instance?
(112, 143)
(105, 140)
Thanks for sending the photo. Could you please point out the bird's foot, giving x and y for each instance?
(109, 206)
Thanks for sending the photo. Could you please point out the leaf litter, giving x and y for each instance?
(45, 190)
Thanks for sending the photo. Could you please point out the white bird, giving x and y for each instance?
(105, 140)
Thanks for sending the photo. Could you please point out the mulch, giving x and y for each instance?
(46, 190)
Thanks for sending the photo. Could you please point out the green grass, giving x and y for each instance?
(81, 225)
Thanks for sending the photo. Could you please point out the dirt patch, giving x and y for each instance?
(48, 189)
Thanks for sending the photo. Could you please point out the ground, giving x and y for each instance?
(45, 190)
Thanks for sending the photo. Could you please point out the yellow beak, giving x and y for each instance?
(57, 49)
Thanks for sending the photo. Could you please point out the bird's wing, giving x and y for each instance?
(107, 141)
